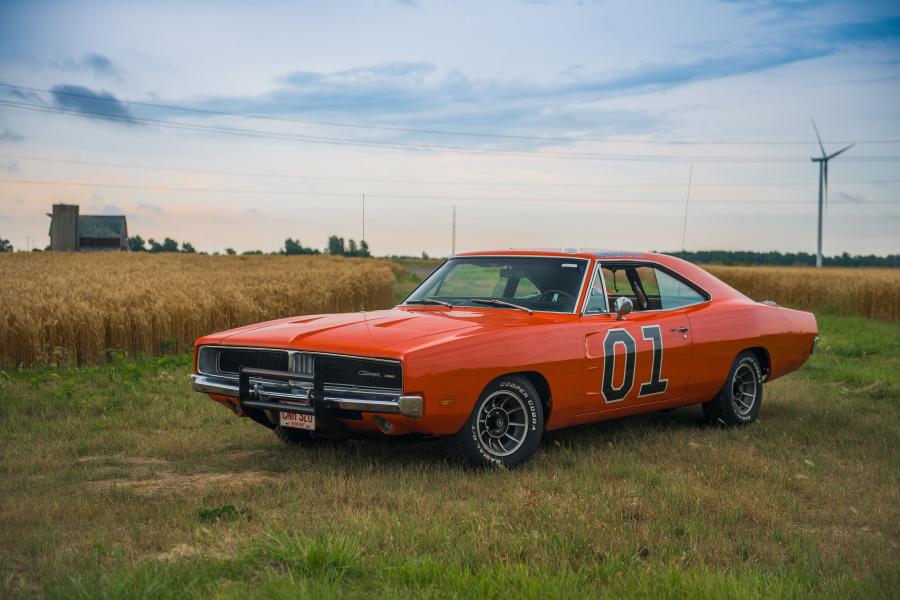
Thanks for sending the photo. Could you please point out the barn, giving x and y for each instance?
(71, 232)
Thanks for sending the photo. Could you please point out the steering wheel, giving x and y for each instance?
(559, 292)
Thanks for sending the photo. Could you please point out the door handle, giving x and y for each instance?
(680, 329)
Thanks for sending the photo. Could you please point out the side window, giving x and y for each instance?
(674, 293)
(648, 287)
(596, 298)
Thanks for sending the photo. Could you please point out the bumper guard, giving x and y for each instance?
(263, 389)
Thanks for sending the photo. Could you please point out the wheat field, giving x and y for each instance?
(864, 292)
(77, 308)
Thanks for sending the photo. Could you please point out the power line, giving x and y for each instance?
(428, 131)
(167, 188)
(561, 184)
(426, 147)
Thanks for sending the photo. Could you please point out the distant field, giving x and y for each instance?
(77, 308)
(116, 481)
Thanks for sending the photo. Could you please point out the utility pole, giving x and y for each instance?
(364, 217)
(453, 243)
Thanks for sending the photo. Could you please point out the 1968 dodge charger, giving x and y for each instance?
(494, 348)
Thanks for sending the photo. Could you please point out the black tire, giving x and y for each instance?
(497, 439)
(293, 437)
(740, 399)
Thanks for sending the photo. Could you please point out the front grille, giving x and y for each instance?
(231, 360)
(337, 370)
(361, 372)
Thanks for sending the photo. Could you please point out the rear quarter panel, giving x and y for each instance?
(722, 330)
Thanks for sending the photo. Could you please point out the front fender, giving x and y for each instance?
(452, 375)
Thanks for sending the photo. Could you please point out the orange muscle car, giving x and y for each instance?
(493, 348)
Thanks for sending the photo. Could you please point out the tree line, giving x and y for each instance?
(337, 246)
(137, 244)
(790, 259)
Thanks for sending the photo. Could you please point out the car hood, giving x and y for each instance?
(385, 333)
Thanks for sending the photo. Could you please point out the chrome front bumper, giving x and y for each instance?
(268, 395)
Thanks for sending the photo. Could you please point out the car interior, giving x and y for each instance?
(647, 287)
(534, 283)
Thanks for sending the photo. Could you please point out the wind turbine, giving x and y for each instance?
(823, 185)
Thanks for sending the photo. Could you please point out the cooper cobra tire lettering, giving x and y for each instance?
(653, 333)
(469, 445)
(613, 337)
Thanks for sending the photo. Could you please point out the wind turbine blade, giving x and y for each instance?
(818, 137)
(841, 151)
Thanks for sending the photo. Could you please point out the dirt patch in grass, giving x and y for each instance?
(156, 477)
(179, 552)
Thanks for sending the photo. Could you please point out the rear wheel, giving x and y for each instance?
(740, 399)
(505, 427)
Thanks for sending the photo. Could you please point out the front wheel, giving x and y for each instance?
(505, 427)
(740, 399)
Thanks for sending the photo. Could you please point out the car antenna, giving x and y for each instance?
(687, 201)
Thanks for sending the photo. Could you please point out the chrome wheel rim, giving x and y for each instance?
(502, 423)
(744, 388)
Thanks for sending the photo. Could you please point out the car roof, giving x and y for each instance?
(567, 252)
(713, 286)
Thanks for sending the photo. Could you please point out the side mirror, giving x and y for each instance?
(623, 307)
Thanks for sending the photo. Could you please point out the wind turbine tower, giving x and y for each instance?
(823, 185)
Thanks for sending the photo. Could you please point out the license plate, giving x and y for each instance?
(297, 420)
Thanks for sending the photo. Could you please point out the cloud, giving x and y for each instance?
(864, 32)
(782, 7)
(20, 94)
(10, 167)
(8, 135)
(98, 64)
(96, 104)
(419, 95)
(150, 207)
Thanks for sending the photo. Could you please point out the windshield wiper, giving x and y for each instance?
(496, 302)
(429, 301)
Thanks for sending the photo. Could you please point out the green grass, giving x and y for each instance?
(117, 481)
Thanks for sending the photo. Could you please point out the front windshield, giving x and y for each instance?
(534, 283)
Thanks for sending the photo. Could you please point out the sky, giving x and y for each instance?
(544, 123)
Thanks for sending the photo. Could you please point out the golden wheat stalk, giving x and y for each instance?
(76, 308)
